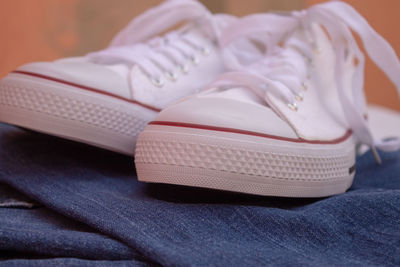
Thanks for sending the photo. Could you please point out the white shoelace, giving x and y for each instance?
(161, 56)
(158, 56)
(283, 71)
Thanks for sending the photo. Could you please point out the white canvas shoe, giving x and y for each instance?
(286, 126)
(106, 98)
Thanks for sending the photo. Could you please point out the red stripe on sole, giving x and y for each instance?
(238, 131)
(86, 88)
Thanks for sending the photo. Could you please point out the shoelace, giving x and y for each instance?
(281, 73)
(288, 69)
(160, 56)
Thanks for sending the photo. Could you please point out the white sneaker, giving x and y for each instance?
(106, 98)
(287, 126)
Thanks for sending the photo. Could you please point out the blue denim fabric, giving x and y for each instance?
(60, 262)
(40, 232)
(176, 225)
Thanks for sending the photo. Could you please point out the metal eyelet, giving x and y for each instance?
(195, 60)
(304, 87)
(184, 69)
(299, 97)
(205, 51)
(157, 82)
(293, 106)
(171, 76)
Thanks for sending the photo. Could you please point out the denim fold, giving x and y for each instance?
(176, 225)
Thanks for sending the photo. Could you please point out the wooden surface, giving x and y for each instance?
(41, 30)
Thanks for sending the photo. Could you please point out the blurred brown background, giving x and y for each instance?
(40, 30)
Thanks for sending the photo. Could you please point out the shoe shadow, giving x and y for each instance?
(24, 147)
(192, 195)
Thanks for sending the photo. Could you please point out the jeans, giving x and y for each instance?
(35, 230)
(88, 204)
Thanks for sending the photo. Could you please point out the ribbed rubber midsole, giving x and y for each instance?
(246, 158)
(88, 114)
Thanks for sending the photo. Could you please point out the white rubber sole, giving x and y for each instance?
(243, 163)
(72, 113)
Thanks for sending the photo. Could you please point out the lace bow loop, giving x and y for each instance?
(377, 48)
(160, 19)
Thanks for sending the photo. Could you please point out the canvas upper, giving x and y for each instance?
(309, 88)
(122, 69)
